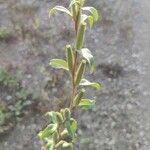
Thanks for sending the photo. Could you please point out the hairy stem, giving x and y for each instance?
(74, 88)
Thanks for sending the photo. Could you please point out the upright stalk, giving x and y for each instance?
(61, 133)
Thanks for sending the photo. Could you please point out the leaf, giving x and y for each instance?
(59, 144)
(80, 36)
(70, 58)
(59, 8)
(86, 104)
(73, 2)
(93, 11)
(48, 131)
(50, 145)
(59, 64)
(81, 2)
(52, 116)
(67, 146)
(78, 97)
(89, 18)
(86, 53)
(71, 126)
(80, 72)
(95, 85)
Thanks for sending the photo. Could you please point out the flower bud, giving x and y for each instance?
(67, 114)
(59, 118)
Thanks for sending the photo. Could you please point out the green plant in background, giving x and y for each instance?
(6, 79)
(22, 101)
(4, 33)
(61, 133)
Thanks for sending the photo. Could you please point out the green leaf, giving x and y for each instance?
(81, 2)
(52, 116)
(71, 126)
(86, 53)
(78, 97)
(93, 11)
(73, 2)
(95, 85)
(59, 64)
(80, 72)
(89, 18)
(80, 36)
(59, 8)
(86, 104)
(48, 131)
(50, 146)
(67, 146)
(70, 58)
(59, 144)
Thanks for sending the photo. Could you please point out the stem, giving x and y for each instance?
(74, 87)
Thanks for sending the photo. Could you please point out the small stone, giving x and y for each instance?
(113, 124)
(29, 76)
(129, 106)
(9, 97)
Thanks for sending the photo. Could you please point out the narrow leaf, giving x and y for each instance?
(59, 8)
(71, 126)
(73, 2)
(93, 11)
(80, 35)
(59, 144)
(86, 104)
(70, 58)
(80, 72)
(52, 116)
(48, 131)
(81, 2)
(95, 85)
(50, 146)
(67, 146)
(89, 19)
(59, 64)
(86, 53)
(78, 97)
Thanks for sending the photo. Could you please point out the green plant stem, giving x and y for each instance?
(74, 87)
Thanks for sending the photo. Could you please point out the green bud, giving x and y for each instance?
(67, 146)
(59, 144)
(64, 134)
(59, 118)
(80, 36)
(80, 72)
(67, 113)
(81, 2)
(74, 11)
(62, 111)
(70, 58)
(55, 136)
(78, 97)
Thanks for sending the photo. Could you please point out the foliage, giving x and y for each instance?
(21, 102)
(17, 97)
(61, 133)
(4, 33)
(6, 79)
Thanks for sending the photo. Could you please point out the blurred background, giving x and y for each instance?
(29, 87)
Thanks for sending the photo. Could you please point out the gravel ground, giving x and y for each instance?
(120, 44)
